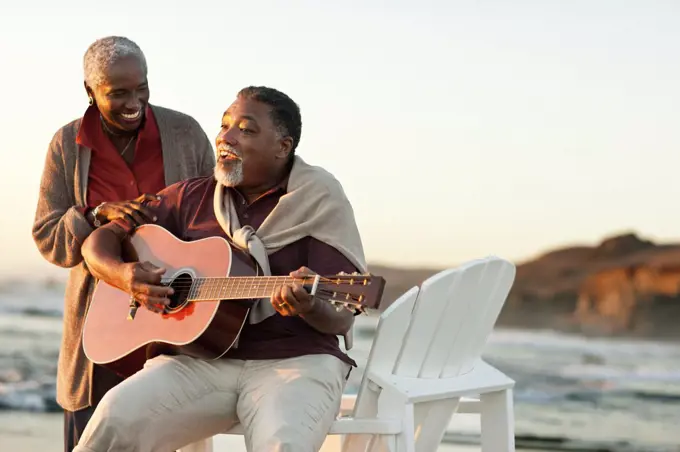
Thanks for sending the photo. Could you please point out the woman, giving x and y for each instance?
(100, 167)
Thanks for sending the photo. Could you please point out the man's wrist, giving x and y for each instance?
(323, 317)
(314, 305)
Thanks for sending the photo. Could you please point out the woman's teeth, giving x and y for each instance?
(131, 116)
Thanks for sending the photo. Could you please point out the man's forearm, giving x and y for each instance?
(102, 252)
(324, 318)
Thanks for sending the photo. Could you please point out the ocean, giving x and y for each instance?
(573, 393)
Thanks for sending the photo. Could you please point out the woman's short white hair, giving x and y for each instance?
(103, 53)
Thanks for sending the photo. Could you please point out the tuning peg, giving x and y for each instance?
(342, 274)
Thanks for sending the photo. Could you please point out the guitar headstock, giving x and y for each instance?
(354, 291)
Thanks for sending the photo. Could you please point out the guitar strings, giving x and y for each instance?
(260, 278)
(321, 294)
(252, 281)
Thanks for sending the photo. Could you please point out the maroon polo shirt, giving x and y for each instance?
(186, 210)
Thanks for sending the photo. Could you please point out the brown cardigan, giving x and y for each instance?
(59, 229)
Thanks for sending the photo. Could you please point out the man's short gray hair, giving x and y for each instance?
(106, 51)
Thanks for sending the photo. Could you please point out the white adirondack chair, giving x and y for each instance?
(425, 358)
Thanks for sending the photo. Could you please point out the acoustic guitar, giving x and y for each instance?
(214, 283)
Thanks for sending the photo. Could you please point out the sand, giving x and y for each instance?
(39, 432)
(31, 432)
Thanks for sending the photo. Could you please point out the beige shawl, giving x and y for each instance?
(315, 205)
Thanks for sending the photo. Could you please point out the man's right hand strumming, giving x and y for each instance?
(142, 280)
(103, 253)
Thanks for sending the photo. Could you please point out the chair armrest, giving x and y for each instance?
(482, 379)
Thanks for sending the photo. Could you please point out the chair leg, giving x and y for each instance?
(431, 421)
(406, 440)
(356, 442)
(401, 442)
(390, 442)
(377, 443)
(498, 422)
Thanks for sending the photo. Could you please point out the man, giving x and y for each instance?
(284, 379)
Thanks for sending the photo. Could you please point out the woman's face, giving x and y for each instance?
(123, 95)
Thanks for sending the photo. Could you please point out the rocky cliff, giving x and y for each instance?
(625, 285)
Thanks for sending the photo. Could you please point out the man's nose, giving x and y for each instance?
(227, 136)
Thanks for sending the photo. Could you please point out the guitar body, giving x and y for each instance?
(204, 330)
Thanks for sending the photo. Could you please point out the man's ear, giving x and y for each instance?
(286, 146)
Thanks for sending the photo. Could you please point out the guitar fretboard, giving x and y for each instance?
(239, 287)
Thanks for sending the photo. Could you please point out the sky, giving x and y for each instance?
(458, 129)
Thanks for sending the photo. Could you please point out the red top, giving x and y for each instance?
(110, 178)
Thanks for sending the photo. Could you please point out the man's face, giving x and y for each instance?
(249, 146)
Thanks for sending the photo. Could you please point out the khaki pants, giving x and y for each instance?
(283, 405)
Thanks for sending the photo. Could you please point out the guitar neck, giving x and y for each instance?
(242, 287)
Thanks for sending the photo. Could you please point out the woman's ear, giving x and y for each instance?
(90, 94)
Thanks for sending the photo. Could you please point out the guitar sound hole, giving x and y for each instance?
(182, 285)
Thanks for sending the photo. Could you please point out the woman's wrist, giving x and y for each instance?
(94, 217)
(87, 213)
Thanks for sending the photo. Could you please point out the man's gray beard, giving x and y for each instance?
(230, 177)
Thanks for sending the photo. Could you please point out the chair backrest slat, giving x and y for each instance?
(428, 313)
(451, 334)
(453, 316)
(491, 294)
(386, 346)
